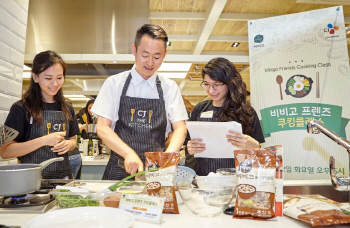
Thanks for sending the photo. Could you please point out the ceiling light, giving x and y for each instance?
(235, 44)
(26, 68)
(174, 75)
(168, 43)
(114, 61)
(185, 67)
(27, 74)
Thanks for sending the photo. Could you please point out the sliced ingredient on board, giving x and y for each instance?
(112, 200)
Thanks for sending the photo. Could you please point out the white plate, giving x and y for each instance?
(83, 217)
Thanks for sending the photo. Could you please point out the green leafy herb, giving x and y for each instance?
(123, 183)
(69, 201)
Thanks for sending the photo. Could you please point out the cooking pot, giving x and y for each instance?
(92, 128)
(20, 179)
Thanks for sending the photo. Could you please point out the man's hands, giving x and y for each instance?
(133, 163)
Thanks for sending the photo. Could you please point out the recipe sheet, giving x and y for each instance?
(214, 137)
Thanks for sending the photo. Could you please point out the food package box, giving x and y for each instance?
(87, 193)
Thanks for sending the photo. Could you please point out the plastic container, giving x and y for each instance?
(84, 193)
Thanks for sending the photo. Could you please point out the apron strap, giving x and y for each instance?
(158, 84)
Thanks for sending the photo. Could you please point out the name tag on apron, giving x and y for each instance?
(208, 114)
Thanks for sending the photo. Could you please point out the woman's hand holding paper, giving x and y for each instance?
(242, 141)
(195, 146)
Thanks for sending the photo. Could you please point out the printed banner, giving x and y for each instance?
(296, 116)
(299, 71)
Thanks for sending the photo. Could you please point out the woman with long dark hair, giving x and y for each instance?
(45, 121)
(228, 94)
(85, 120)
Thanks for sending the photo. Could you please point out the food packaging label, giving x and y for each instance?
(144, 208)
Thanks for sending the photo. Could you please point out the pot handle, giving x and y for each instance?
(48, 162)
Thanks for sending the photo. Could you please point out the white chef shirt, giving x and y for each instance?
(108, 99)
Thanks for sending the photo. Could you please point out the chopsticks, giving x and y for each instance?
(317, 84)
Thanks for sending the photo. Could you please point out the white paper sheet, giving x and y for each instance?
(214, 137)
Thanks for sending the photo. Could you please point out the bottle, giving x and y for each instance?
(95, 149)
(90, 146)
(79, 143)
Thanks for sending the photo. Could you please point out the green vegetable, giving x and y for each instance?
(122, 182)
(307, 88)
(69, 201)
(291, 82)
(292, 90)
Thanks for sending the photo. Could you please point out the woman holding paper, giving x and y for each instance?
(228, 93)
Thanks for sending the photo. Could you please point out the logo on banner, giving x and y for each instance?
(331, 30)
(258, 39)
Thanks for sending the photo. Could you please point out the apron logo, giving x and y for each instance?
(141, 122)
(57, 127)
(141, 113)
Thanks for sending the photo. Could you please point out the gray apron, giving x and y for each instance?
(203, 166)
(56, 170)
(141, 125)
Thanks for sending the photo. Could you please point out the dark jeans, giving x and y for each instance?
(75, 165)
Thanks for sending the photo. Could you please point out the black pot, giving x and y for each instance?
(303, 92)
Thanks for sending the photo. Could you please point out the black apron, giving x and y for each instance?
(58, 169)
(203, 166)
(141, 125)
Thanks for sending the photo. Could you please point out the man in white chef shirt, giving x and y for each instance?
(136, 108)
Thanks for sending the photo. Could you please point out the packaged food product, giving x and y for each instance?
(279, 179)
(314, 209)
(255, 171)
(161, 182)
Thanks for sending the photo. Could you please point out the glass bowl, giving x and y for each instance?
(226, 171)
(215, 182)
(205, 202)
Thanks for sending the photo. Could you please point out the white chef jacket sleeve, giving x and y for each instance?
(107, 101)
(176, 109)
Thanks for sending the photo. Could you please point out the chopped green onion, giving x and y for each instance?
(70, 201)
(121, 182)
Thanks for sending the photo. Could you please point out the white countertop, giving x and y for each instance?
(91, 160)
(182, 220)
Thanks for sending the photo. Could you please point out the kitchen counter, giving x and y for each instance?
(93, 167)
(91, 160)
(183, 220)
